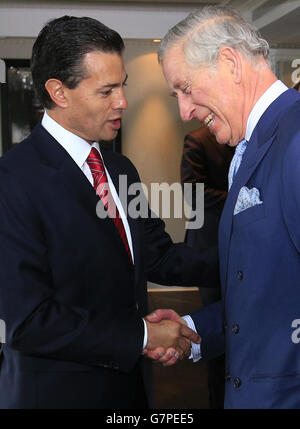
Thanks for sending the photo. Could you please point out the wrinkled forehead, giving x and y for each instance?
(174, 67)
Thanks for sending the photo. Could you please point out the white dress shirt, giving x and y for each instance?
(79, 149)
(270, 95)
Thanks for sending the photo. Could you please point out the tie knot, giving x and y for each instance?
(94, 155)
(94, 160)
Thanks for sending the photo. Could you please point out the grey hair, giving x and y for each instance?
(204, 31)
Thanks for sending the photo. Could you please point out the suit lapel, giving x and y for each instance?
(56, 160)
(251, 159)
(261, 140)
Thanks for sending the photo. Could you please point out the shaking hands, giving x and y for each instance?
(169, 338)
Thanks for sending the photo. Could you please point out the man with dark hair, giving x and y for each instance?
(73, 284)
(60, 48)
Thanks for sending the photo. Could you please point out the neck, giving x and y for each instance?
(58, 116)
(259, 78)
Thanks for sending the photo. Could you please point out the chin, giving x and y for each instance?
(223, 138)
(220, 140)
(109, 136)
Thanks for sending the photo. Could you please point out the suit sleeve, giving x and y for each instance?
(177, 264)
(38, 321)
(209, 325)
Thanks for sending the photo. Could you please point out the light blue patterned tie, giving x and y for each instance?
(236, 161)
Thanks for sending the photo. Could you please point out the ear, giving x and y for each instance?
(56, 91)
(231, 59)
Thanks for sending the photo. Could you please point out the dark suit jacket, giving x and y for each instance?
(206, 161)
(71, 301)
(259, 316)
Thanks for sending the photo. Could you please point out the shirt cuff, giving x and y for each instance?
(196, 348)
(145, 334)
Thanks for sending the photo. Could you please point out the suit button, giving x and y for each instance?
(240, 275)
(224, 326)
(237, 382)
(235, 328)
(227, 377)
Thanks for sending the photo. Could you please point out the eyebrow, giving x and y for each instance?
(114, 85)
(177, 85)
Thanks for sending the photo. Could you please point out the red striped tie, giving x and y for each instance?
(101, 187)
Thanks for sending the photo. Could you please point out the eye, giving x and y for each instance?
(186, 90)
(106, 93)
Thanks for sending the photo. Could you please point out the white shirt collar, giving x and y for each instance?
(78, 148)
(273, 92)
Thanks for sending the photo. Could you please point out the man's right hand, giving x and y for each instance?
(169, 339)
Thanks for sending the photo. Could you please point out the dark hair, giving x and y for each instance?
(60, 47)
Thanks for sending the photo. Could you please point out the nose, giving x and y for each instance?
(186, 107)
(120, 101)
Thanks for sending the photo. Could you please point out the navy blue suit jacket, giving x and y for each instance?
(71, 301)
(259, 316)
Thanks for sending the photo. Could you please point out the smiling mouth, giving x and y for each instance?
(208, 121)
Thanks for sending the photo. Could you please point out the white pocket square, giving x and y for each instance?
(247, 198)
